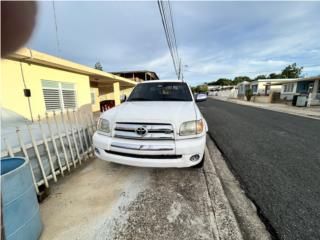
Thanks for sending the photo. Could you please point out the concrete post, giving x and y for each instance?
(313, 93)
(116, 93)
(316, 88)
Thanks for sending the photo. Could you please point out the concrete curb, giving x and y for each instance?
(310, 115)
(243, 210)
(226, 224)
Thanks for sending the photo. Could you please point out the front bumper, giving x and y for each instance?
(149, 153)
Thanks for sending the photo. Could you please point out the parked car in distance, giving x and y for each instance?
(159, 125)
(200, 97)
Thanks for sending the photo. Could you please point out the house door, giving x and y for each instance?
(267, 90)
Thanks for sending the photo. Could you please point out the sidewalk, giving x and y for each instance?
(102, 200)
(312, 112)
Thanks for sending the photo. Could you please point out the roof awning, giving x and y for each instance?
(35, 57)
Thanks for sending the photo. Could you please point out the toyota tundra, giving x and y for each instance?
(159, 125)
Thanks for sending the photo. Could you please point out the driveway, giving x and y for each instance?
(276, 157)
(102, 200)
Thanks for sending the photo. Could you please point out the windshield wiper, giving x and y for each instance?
(139, 99)
(172, 99)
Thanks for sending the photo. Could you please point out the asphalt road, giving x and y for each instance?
(276, 157)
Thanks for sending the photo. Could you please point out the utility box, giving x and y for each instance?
(301, 101)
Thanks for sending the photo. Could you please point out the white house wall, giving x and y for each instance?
(288, 95)
(275, 88)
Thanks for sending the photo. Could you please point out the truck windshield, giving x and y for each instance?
(164, 91)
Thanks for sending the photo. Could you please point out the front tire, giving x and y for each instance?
(200, 164)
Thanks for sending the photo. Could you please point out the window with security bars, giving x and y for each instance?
(58, 95)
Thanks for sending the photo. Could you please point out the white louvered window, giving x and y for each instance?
(68, 95)
(58, 95)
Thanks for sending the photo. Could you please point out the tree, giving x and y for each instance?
(291, 71)
(249, 94)
(275, 76)
(221, 82)
(98, 66)
(202, 88)
(240, 79)
(260, 77)
(194, 89)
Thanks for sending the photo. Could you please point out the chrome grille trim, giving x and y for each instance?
(155, 131)
(162, 156)
(142, 147)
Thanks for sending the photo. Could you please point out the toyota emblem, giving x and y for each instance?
(141, 131)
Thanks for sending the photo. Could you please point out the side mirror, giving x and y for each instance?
(201, 97)
(123, 98)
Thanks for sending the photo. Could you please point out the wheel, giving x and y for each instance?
(200, 164)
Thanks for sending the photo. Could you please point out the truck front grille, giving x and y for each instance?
(162, 156)
(144, 131)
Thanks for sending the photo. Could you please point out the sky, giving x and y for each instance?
(215, 39)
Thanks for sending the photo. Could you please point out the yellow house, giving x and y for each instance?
(34, 83)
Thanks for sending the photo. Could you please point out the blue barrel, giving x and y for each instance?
(21, 216)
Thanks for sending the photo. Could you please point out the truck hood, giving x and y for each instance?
(154, 112)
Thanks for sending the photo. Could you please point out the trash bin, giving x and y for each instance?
(294, 100)
(301, 101)
(20, 208)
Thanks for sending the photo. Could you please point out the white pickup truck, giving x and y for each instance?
(159, 125)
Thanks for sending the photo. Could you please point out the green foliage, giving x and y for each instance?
(201, 88)
(98, 66)
(249, 94)
(291, 71)
(228, 82)
(240, 79)
(260, 77)
(275, 76)
(221, 82)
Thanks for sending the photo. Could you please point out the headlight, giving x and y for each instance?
(191, 127)
(103, 125)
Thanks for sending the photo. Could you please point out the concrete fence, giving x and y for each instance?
(54, 145)
(228, 93)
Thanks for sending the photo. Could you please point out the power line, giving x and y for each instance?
(25, 87)
(175, 40)
(166, 14)
(168, 35)
(56, 27)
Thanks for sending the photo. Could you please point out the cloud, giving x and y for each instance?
(215, 39)
(313, 69)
